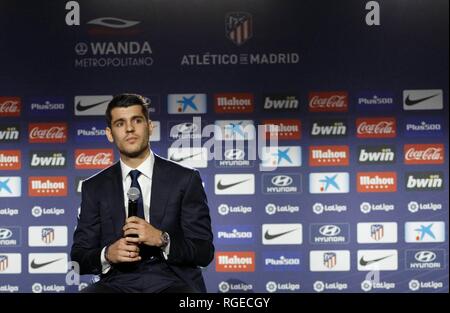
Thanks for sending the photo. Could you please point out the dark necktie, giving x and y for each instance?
(134, 174)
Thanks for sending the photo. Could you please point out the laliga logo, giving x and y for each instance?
(319, 286)
(271, 286)
(413, 206)
(414, 285)
(36, 288)
(36, 211)
(224, 287)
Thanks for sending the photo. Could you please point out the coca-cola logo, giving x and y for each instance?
(331, 102)
(47, 132)
(328, 101)
(380, 128)
(97, 159)
(93, 158)
(428, 154)
(376, 127)
(51, 133)
(9, 106)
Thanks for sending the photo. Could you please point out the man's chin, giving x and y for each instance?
(135, 153)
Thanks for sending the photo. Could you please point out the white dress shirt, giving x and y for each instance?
(145, 182)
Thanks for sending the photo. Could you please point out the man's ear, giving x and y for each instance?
(150, 128)
(109, 134)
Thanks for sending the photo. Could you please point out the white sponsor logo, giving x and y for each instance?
(281, 156)
(320, 208)
(186, 103)
(414, 206)
(367, 207)
(192, 157)
(234, 184)
(425, 231)
(234, 130)
(377, 232)
(377, 260)
(282, 234)
(415, 285)
(340, 261)
(272, 286)
(91, 105)
(431, 99)
(272, 208)
(10, 263)
(10, 186)
(234, 287)
(320, 286)
(225, 209)
(47, 236)
(42, 263)
(321, 183)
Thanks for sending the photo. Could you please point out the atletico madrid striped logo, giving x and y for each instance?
(239, 27)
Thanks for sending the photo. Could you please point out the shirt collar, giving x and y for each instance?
(146, 167)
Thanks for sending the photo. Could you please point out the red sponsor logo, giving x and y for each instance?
(10, 160)
(10, 106)
(234, 102)
(376, 182)
(287, 129)
(242, 261)
(47, 186)
(330, 101)
(93, 158)
(329, 156)
(47, 132)
(424, 153)
(380, 127)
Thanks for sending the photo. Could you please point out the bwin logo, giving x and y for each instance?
(234, 154)
(425, 256)
(282, 180)
(330, 230)
(5, 233)
(186, 128)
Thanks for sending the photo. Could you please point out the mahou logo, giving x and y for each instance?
(10, 106)
(376, 182)
(329, 155)
(424, 153)
(234, 103)
(380, 127)
(47, 132)
(287, 129)
(10, 160)
(93, 158)
(331, 101)
(242, 261)
(47, 186)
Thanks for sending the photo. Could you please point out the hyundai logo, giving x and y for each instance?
(186, 128)
(330, 230)
(281, 180)
(5, 233)
(234, 154)
(425, 256)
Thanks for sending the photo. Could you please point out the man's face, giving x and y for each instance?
(130, 131)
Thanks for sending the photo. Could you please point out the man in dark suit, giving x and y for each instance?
(161, 248)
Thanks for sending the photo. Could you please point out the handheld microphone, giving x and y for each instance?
(133, 196)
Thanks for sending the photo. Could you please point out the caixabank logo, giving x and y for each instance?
(424, 232)
(10, 186)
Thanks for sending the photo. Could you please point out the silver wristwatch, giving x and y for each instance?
(165, 238)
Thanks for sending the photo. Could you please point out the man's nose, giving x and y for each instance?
(130, 127)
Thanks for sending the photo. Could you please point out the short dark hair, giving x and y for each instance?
(126, 100)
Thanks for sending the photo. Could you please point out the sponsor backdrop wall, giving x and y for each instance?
(352, 198)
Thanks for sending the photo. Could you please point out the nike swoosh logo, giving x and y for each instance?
(273, 236)
(221, 186)
(88, 106)
(175, 159)
(363, 262)
(410, 102)
(35, 265)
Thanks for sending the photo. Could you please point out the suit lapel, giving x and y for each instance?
(117, 208)
(160, 192)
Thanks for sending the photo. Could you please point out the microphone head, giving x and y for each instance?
(133, 193)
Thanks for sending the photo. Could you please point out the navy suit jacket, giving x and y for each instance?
(178, 206)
